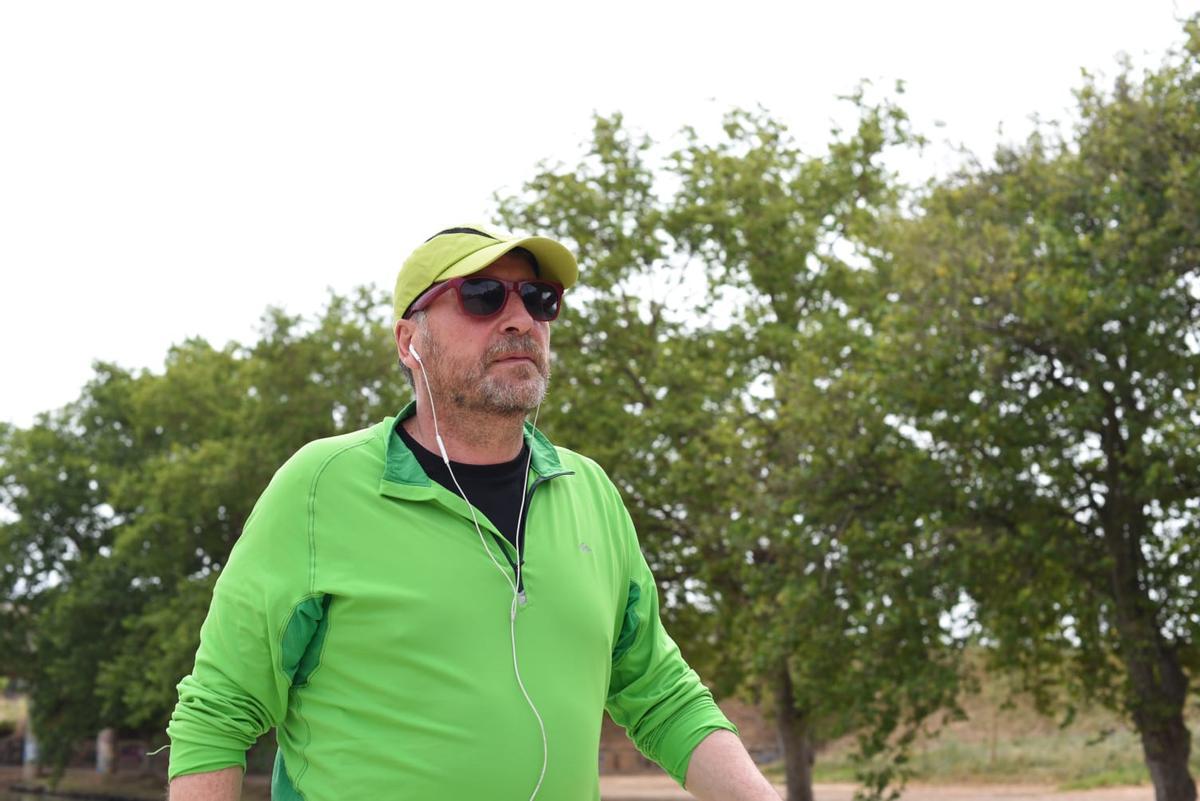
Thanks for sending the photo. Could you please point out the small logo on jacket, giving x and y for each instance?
(584, 548)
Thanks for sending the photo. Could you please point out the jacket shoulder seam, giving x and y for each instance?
(311, 510)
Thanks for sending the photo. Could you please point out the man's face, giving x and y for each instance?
(497, 365)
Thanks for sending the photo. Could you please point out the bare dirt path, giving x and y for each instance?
(661, 788)
(648, 787)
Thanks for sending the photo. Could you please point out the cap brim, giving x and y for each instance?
(555, 262)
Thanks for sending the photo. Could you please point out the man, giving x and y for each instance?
(442, 605)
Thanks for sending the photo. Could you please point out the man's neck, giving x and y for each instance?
(469, 438)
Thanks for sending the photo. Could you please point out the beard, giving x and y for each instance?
(485, 387)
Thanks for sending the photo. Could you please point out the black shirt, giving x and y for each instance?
(496, 490)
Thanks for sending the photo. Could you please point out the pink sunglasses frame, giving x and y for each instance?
(434, 292)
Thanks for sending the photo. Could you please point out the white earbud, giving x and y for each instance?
(437, 435)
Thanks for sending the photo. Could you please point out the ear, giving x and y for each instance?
(404, 332)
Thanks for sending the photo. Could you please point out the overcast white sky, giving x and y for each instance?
(169, 170)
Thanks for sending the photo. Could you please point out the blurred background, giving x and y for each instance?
(888, 329)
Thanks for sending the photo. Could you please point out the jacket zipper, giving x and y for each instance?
(520, 577)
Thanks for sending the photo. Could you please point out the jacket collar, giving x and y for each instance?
(403, 476)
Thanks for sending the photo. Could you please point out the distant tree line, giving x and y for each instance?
(859, 425)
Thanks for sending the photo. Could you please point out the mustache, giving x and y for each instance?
(522, 345)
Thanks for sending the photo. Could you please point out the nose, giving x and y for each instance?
(514, 317)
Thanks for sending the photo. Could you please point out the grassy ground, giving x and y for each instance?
(1012, 744)
(1068, 759)
(125, 785)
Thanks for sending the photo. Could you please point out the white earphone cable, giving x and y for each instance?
(514, 585)
(445, 458)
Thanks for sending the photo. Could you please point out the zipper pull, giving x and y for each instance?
(521, 597)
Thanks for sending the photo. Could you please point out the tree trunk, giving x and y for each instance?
(1157, 685)
(1166, 748)
(798, 747)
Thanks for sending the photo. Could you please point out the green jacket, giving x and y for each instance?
(359, 614)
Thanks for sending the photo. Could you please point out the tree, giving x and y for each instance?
(123, 506)
(757, 465)
(1045, 339)
(222, 421)
(63, 597)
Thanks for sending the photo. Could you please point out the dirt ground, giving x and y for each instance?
(661, 788)
(654, 787)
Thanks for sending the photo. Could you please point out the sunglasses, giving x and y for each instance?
(484, 296)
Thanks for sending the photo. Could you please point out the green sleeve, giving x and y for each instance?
(653, 694)
(260, 623)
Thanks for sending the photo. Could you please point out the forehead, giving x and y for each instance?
(509, 266)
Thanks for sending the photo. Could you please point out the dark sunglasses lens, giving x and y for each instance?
(541, 299)
(481, 297)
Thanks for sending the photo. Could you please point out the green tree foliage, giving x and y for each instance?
(65, 597)
(758, 464)
(124, 506)
(1045, 338)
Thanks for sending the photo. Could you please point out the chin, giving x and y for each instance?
(514, 397)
